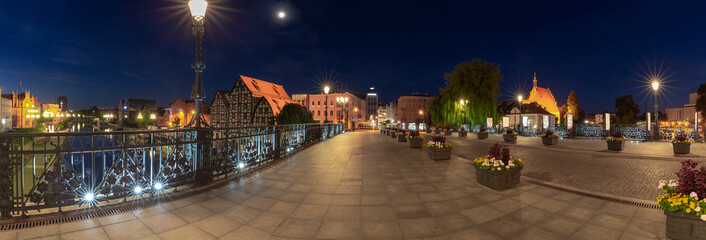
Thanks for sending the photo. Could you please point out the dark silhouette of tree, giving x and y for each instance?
(627, 109)
(293, 113)
(562, 113)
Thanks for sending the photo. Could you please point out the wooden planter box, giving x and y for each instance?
(440, 154)
(417, 143)
(393, 135)
(509, 138)
(401, 138)
(550, 140)
(616, 146)
(498, 180)
(482, 135)
(681, 148)
(462, 134)
(685, 226)
(448, 133)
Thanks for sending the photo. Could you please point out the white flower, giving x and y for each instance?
(499, 169)
(508, 166)
(662, 183)
(703, 217)
(673, 183)
(698, 209)
(694, 195)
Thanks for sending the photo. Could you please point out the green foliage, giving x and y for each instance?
(475, 81)
(627, 109)
(293, 113)
(562, 113)
(145, 121)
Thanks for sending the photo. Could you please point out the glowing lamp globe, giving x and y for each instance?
(281, 15)
(326, 89)
(655, 85)
(198, 7)
(519, 98)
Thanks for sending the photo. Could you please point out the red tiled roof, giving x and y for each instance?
(545, 98)
(264, 88)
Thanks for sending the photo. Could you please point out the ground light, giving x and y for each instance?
(241, 165)
(158, 186)
(89, 197)
(138, 190)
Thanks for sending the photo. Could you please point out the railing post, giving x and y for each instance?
(6, 204)
(204, 168)
(278, 143)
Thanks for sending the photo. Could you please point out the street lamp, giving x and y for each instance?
(326, 89)
(655, 87)
(198, 14)
(421, 115)
(341, 101)
(463, 110)
(519, 101)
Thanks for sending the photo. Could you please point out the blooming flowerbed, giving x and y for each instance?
(682, 139)
(687, 194)
(550, 134)
(498, 159)
(616, 137)
(438, 142)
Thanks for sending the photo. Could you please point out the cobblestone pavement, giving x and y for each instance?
(577, 163)
(369, 186)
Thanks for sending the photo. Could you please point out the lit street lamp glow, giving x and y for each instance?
(198, 7)
(326, 89)
(281, 14)
(89, 197)
(519, 98)
(655, 85)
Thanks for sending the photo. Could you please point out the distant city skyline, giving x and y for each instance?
(100, 52)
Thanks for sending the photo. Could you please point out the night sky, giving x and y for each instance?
(98, 52)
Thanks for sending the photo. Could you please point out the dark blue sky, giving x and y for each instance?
(97, 52)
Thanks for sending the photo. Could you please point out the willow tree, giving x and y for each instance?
(476, 81)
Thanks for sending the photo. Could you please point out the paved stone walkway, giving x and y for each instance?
(587, 164)
(368, 186)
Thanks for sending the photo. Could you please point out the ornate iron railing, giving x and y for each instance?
(75, 170)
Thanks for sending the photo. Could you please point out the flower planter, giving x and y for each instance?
(393, 135)
(482, 135)
(681, 148)
(415, 143)
(616, 145)
(498, 180)
(439, 154)
(684, 226)
(401, 138)
(462, 134)
(437, 131)
(509, 138)
(550, 140)
(448, 133)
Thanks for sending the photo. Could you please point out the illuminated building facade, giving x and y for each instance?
(51, 112)
(180, 112)
(5, 112)
(63, 102)
(130, 108)
(251, 102)
(410, 110)
(348, 113)
(371, 100)
(685, 114)
(534, 117)
(25, 109)
(543, 97)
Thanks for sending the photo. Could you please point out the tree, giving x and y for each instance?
(572, 104)
(562, 113)
(581, 115)
(145, 120)
(293, 113)
(476, 81)
(627, 109)
(701, 103)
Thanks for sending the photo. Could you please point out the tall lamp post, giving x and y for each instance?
(519, 102)
(655, 87)
(326, 89)
(198, 17)
(341, 101)
(421, 115)
(463, 110)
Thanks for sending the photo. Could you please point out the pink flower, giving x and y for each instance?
(698, 209)
(694, 195)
